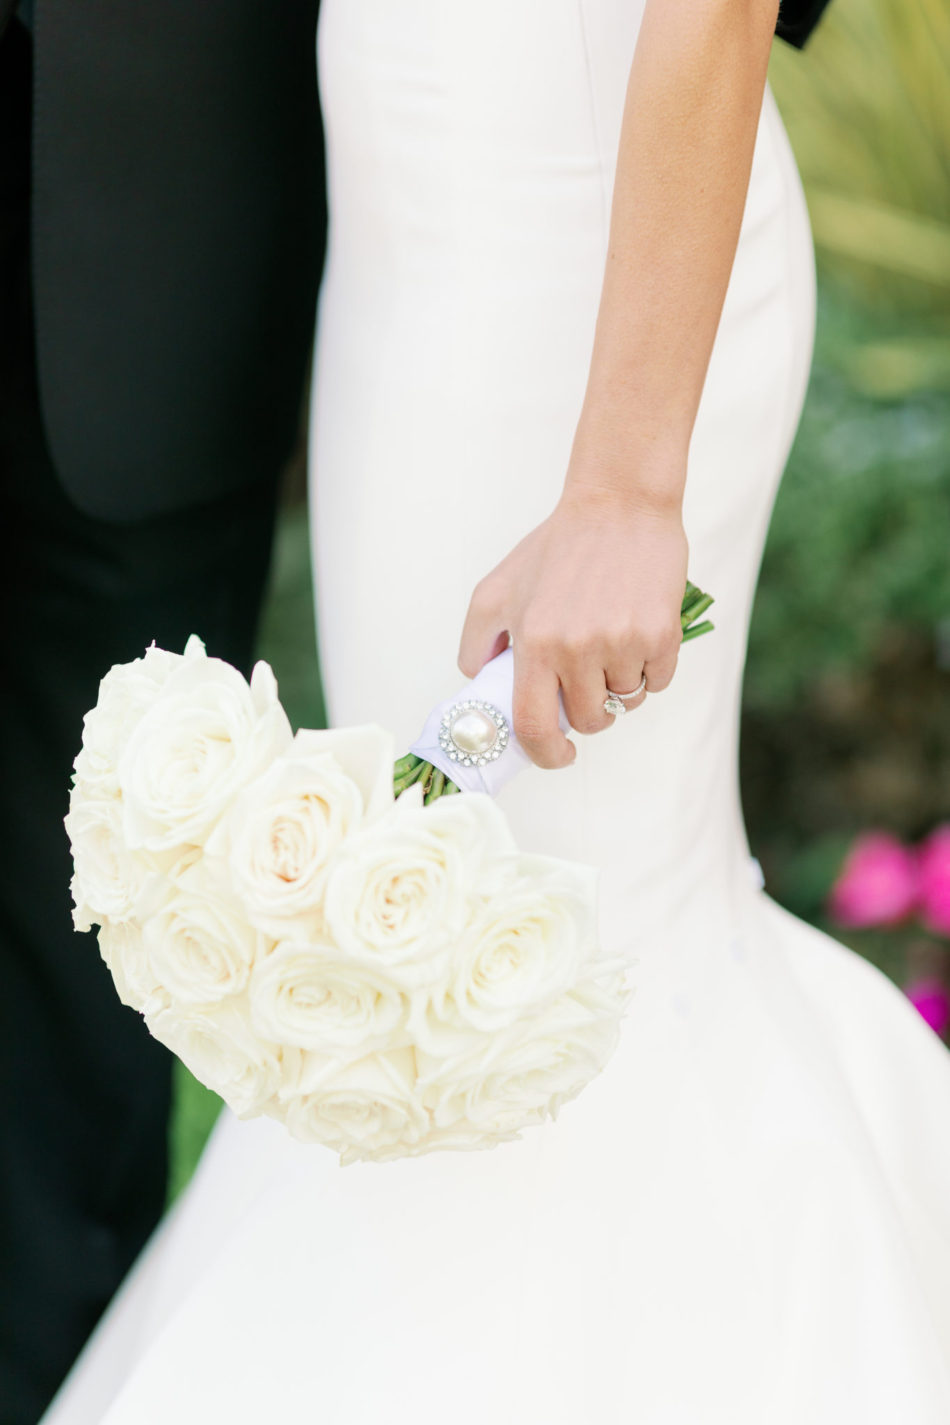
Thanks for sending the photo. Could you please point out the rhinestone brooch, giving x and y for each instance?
(473, 733)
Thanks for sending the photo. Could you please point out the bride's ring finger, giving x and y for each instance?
(619, 701)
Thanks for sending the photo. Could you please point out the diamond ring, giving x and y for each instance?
(615, 703)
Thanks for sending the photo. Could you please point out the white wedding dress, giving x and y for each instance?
(746, 1218)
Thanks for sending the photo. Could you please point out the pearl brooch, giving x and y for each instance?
(473, 733)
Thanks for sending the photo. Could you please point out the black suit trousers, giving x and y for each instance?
(84, 1090)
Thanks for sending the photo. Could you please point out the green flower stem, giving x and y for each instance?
(406, 764)
(411, 774)
(436, 784)
(406, 781)
(694, 606)
(693, 613)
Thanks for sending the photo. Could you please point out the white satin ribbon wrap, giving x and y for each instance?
(493, 684)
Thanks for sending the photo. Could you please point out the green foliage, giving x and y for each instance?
(845, 705)
(859, 537)
(193, 1117)
(287, 639)
(867, 105)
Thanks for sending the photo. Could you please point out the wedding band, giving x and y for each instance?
(615, 703)
(640, 688)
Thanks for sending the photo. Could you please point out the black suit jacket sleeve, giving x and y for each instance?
(177, 242)
(797, 19)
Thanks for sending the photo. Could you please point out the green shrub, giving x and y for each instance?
(867, 105)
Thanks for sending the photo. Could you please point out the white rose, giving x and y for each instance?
(204, 737)
(367, 1109)
(123, 950)
(109, 879)
(366, 755)
(398, 894)
(219, 1048)
(199, 944)
(527, 944)
(281, 834)
(524, 1075)
(308, 996)
(125, 693)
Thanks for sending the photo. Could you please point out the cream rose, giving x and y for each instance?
(123, 949)
(199, 945)
(532, 934)
(219, 1048)
(281, 834)
(366, 754)
(108, 878)
(399, 893)
(125, 693)
(363, 1110)
(520, 1077)
(204, 737)
(306, 995)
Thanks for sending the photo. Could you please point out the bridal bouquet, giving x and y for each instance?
(322, 938)
(384, 976)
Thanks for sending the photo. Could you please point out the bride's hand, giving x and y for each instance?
(591, 599)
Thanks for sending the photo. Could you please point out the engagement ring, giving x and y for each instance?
(615, 703)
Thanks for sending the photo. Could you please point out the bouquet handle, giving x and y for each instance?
(469, 736)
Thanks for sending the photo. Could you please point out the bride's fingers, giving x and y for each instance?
(659, 672)
(584, 689)
(482, 634)
(535, 713)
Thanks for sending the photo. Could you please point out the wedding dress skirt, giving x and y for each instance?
(746, 1218)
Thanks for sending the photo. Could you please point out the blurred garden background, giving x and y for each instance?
(846, 726)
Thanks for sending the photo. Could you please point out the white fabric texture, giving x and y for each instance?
(746, 1218)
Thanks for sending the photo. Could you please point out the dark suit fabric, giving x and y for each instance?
(797, 20)
(174, 233)
(131, 510)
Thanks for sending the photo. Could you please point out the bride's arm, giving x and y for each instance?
(693, 104)
(592, 596)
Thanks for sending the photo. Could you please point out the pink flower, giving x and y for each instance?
(934, 859)
(877, 884)
(932, 1000)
